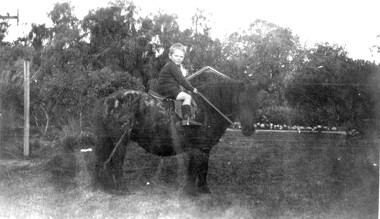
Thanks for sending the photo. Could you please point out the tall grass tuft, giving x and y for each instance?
(73, 128)
(68, 166)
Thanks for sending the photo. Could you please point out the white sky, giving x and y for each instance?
(352, 24)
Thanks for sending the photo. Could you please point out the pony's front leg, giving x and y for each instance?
(202, 186)
(109, 165)
(116, 164)
(197, 172)
(102, 175)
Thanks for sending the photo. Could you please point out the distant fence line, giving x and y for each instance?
(290, 131)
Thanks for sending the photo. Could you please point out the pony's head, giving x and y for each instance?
(236, 99)
(247, 107)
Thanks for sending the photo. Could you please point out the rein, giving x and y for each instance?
(200, 71)
(212, 105)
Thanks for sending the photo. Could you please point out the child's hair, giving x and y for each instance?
(178, 46)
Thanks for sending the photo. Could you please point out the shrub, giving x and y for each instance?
(298, 116)
(106, 81)
(70, 96)
(281, 115)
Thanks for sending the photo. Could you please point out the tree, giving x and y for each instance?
(11, 88)
(332, 88)
(162, 31)
(264, 52)
(203, 50)
(3, 30)
(376, 47)
(116, 41)
(110, 34)
(59, 63)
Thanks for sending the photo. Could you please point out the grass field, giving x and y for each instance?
(269, 175)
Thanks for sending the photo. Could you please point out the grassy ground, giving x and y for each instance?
(269, 175)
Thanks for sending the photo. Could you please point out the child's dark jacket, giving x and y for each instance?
(170, 79)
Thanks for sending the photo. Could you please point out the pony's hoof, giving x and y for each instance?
(204, 190)
(189, 192)
(118, 192)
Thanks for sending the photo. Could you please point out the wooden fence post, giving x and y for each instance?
(26, 107)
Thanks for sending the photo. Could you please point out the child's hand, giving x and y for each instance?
(195, 91)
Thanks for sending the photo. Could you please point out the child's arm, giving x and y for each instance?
(177, 75)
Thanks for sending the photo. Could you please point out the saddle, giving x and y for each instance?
(173, 105)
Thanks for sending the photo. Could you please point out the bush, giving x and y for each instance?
(281, 115)
(304, 117)
(106, 81)
(66, 162)
(70, 96)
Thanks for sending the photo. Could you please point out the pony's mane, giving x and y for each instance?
(222, 93)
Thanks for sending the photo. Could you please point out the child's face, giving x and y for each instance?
(177, 56)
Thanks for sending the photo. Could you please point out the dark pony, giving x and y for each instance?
(129, 115)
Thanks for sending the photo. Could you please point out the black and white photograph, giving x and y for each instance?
(189, 109)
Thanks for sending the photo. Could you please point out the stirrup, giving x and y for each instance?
(187, 122)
